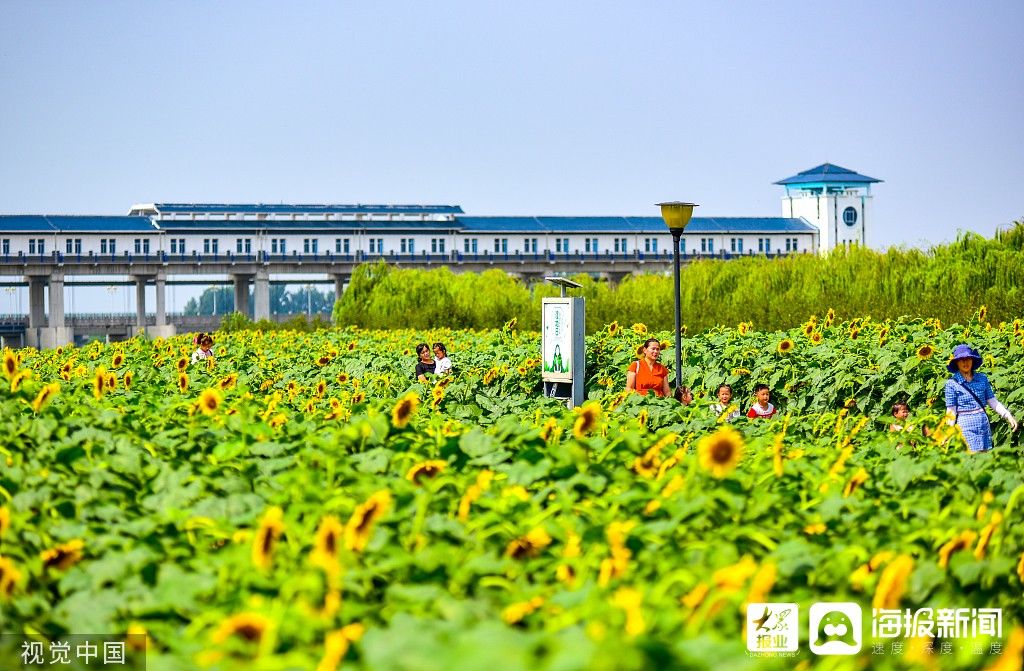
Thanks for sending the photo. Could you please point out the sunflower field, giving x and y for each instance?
(300, 502)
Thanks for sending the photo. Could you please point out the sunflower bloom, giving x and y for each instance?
(9, 578)
(270, 529)
(336, 644)
(785, 346)
(99, 383)
(762, 583)
(639, 329)
(360, 525)
(45, 395)
(326, 544)
(986, 534)
(924, 352)
(228, 382)
(1013, 653)
(209, 401)
(251, 627)
(721, 451)
(10, 364)
(893, 583)
(613, 328)
(732, 578)
(425, 469)
(629, 600)
(961, 541)
(816, 337)
(64, 556)
(515, 613)
(529, 545)
(182, 382)
(856, 480)
(5, 520)
(404, 409)
(587, 419)
(128, 378)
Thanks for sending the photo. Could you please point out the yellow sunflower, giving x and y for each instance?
(182, 382)
(128, 378)
(587, 419)
(326, 544)
(893, 583)
(961, 541)
(721, 451)
(45, 395)
(9, 578)
(64, 556)
(639, 329)
(209, 401)
(10, 364)
(425, 469)
(786, 346)
(925, 352)
(613, 328)
(270, 529)
(529, 545)
(99, 383)
(360, 525)
(251, 627)
(404, 409)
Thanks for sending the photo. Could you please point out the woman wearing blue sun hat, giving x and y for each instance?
(967, 394)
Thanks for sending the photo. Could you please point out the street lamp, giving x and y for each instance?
(677, 215)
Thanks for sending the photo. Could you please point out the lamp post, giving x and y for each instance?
(677, 215)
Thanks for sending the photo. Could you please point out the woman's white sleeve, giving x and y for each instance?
(1001, 410)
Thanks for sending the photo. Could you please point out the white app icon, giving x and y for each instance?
(773, 627)
(836, 629)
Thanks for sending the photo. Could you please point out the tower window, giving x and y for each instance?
(850, 216)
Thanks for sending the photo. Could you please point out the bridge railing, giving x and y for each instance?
(427, 258)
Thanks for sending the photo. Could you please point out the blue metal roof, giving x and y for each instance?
(828, 173)
(74, 223)
(633, 224)
(264, 208)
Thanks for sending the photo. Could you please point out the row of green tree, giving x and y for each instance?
(948, 282)
(305, 300)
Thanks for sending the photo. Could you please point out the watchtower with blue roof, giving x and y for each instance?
(835, 199)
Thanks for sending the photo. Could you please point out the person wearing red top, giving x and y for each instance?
(647, 374)
(762, 408)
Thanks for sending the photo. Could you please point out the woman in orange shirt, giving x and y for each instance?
(647, 374)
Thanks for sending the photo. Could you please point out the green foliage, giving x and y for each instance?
(947, 282)
(642, 557)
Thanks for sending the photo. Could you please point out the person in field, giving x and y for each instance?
(724, 394)
(425, 363)
(762, 407)
(442, 364)
(900, 412)
(204, 349)
(684, 395)
(968, 392)
(647, 375)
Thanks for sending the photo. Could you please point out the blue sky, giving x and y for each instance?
(515, 108)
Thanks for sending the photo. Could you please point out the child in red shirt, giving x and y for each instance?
(762, 408)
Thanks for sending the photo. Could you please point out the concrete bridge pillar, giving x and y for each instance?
(41, 333)
(161, 329)
(339, 285)
(140, 303)
(261, 295)
(242, 294)
(36, 302)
